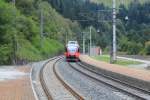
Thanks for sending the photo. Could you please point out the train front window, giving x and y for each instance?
(72, 50)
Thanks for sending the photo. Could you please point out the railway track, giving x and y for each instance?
(119, 81)
(67, 87)
(43, 83)
(131, 90)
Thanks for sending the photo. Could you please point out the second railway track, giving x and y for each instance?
(121, 86)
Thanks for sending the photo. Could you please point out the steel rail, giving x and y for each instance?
(73, 92)
(116, 80)
(43, 83)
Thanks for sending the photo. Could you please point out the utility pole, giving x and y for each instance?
(14, 2)
(14, 49)
(41, 27)
(122, 1)
(88, 48)
(114, 31)
(14, 38)
(83, 43)
(66, 36)
(90, 40)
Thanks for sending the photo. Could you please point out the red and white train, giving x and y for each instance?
(72, 51)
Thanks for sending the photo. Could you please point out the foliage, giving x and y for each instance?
(134, 48)
(131, 33)
(21, 36)
(5, 51)
(26, 51)
(20, 31)
(147, 48)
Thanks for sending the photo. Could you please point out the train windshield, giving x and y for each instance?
(72, 49)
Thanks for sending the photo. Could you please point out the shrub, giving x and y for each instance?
(147, 48)
(134, 48)
(5, 52)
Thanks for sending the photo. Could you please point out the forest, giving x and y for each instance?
(21, 40)
(133, 34)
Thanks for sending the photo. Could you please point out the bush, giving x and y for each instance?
(147, 48)
(5, 52)
(134, 48)
(50, 47)
(123, 44)
(28, 52)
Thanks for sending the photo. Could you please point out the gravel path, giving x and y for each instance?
(145, 62)
(87, 87)
(146, 58)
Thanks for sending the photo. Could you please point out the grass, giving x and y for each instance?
(27, 51)
(106, 58)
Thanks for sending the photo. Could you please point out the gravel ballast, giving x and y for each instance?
(90, 89)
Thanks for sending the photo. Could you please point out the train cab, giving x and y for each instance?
(72, 51)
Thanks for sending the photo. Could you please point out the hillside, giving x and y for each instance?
(21, 40)
(132, 35)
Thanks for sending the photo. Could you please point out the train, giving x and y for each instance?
(72, 51)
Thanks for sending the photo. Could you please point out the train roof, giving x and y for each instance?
(72, 43)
